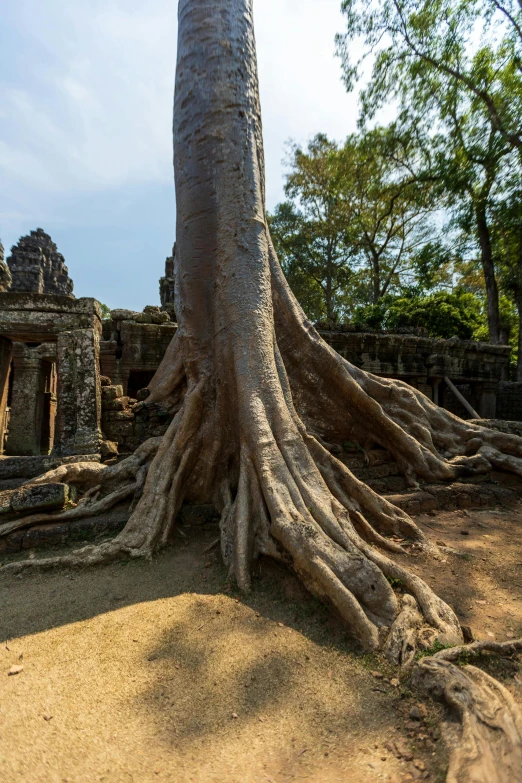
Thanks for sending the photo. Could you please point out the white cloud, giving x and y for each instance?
(96, 110)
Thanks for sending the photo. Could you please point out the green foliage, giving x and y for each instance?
(442, 314)
(105, 311)
(355, 224)
(453, 70)
(435, 648)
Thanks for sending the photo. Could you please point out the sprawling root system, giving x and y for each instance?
(255, 448)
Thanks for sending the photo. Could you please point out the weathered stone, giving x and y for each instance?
(124, 315)
(108, 449)
(37, 266)
(50, 535)
(32, 373)
(79, 398)
(144, 318)
(116, 405)
(167, 286)
(5, 274)
(30, 467)
(29, 498)
(110, 393)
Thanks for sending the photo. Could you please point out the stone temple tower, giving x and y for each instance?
(37, 267)
(5, 274)
(167, 286)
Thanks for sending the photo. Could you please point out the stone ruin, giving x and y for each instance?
(5, 274)
(37, 267)
(71, 384)
(167, 286)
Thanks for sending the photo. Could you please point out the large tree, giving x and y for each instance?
(258, 395)
(452, 68)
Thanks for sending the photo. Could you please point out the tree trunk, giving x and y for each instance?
(257, 394)
(488, 267)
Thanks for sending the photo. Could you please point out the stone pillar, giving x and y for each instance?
(78, 417)
(26, 404)
(6, 350)
(487, 400)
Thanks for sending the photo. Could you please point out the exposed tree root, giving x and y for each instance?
(484, 734)
(113, 483)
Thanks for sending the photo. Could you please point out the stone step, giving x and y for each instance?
(29, 499)
(30, 467)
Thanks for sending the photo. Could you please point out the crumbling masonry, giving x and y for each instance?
(70, 384)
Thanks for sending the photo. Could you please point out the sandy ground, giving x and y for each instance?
(160, 672)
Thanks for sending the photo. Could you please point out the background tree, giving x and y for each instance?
(356, 222)
(453, 70)
(442, 314)
(507, 237)
(313, 232)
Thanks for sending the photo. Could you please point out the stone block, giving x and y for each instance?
(79, 401)
(413, 507)
(115, 405)
(35, 498)
(49, 535)
(110, 393)
(382, 471)
(354, 462)
(378, 457)
(427, 501)
(160, 318)
(109, 449)
(124, 315)
(144, 318)
(12, 543)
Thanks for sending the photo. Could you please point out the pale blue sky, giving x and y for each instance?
(85, 125)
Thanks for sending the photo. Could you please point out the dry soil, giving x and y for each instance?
(158, 671)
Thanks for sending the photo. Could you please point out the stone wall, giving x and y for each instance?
(36, 266)
(476, 369)
(127, 423)
(133, 346)
(49, 368)
(509, 401)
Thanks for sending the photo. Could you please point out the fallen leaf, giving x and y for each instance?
(15, 670)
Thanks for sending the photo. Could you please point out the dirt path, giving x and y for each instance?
(159, 672)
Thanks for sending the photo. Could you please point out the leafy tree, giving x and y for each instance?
(442, 314)
(356, 224)
(313, 233)
(105, 311)
(507, 234)
(453, 69)
(474, 45)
